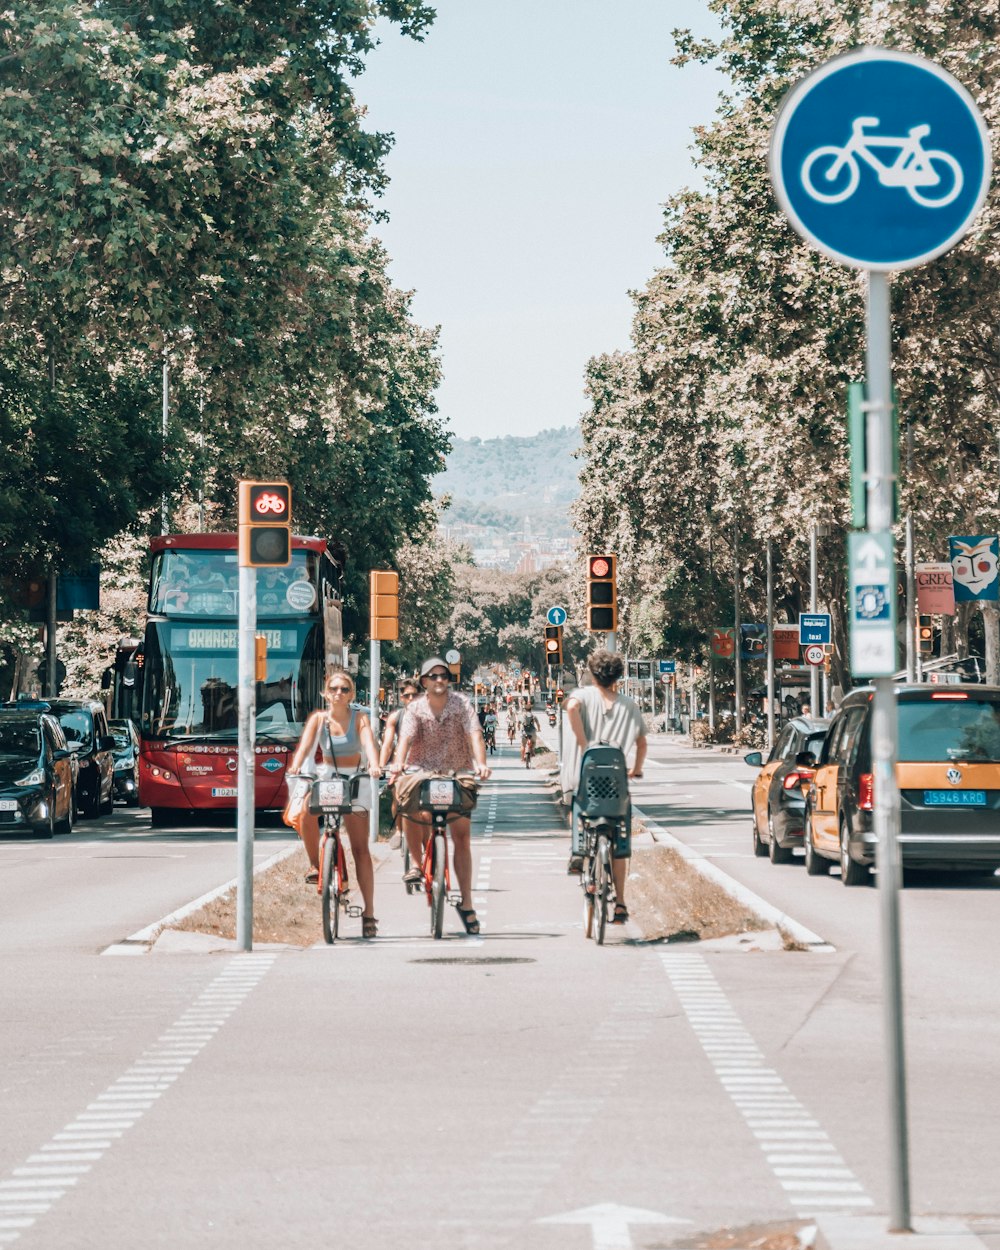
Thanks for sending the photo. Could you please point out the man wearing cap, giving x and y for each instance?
(441, 734)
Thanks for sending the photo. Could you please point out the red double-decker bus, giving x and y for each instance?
(188, 664)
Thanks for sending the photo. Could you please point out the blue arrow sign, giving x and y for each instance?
(556, 616)
(880, 159)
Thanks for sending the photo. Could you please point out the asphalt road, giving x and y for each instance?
(473, 1092)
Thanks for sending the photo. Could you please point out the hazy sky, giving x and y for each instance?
(536, 141)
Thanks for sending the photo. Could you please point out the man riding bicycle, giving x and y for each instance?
(529, 734)
(598, 713)
(490, 728)
(441, 734)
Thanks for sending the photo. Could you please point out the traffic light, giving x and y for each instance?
(260, 657)
(559, 696)
(383, 586)
(925, 634)
(553, 645)
(265, 524)
(602, 595)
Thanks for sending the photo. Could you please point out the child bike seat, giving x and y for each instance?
(603, 790)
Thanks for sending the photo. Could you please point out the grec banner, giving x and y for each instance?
(935, 589)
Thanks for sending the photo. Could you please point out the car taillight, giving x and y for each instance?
(865, 792)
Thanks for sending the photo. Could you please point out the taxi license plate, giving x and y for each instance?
(954, 798)
(8, 805)
(224, 792)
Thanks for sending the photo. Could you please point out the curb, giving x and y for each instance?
(760, 906)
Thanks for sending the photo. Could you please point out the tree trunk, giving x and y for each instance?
(991, 630)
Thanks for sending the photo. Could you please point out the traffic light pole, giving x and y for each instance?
(375, 670)
(245, 758)
(884, 747)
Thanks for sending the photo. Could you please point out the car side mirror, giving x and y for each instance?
(107, 743)
(754, 759)
(806, 759)
(62, 755)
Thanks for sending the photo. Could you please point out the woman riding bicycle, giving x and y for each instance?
(441, 734)
(343, 734)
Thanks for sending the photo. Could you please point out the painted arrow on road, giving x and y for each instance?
(609, 1223)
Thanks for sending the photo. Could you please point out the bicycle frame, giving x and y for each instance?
(860, 144)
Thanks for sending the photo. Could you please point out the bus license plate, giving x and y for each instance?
(224, 792)
(954, 798)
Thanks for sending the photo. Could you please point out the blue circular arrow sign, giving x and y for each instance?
(556, 616)
(880, 159)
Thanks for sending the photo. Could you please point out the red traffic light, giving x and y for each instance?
(600, 566)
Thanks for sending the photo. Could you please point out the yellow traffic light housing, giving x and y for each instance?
(383, 586)
(925, 635)
(265, 524)
(260, 657)
(602, 594)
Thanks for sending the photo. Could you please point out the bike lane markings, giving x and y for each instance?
(800, 1155)
(33, 1188)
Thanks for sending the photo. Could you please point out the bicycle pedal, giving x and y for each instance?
(354, 910)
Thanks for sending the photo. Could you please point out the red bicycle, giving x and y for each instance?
(330, 799)
(441, 798)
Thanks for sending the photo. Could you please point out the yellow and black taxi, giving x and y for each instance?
(85, 724)
(36, 772)
(778, 799)
(948, 773)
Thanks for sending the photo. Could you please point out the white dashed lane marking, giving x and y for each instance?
(800, 1155)
(33, 1188)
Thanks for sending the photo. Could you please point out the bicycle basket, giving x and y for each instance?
(332, 796)
(603, 790)
(440, 794)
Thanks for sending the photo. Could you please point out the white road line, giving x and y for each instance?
(32, 1191)
(772, 1113)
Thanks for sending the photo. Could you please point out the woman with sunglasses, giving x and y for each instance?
(441, 734)
(342, 733)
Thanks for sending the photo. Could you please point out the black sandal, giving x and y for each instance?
(369, 927)
(621, 914)
(468, 917)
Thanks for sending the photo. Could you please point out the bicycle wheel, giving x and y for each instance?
(602, 887)
(838, 175)
(330, 893)
(437, 885)
(587, 881)
(949, 177)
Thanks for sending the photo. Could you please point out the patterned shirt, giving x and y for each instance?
(439, 744)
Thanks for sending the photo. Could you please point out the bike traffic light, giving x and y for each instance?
(553, 645)
(602, 595)
(383, 587)
(925, 634)
(265, 524)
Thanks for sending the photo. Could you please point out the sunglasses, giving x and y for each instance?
(439, 676)
(338, 690)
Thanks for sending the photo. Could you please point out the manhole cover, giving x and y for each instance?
(473, 959)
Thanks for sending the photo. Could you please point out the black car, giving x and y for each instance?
(85, 724)
(779, 792)
(126, 754)
(36, 774)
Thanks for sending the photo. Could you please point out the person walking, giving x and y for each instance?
(598, 713)
(441, 734)
(342, 734)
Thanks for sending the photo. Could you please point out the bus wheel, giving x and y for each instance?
(161, 816)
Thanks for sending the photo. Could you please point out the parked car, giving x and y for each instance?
(948, 773)
(778, 799)
(126, 757)
(36, 772)
(85, 724)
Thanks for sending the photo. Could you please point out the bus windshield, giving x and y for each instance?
(191, 680)
(205, 583)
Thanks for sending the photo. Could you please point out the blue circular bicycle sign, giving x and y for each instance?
(880, 159)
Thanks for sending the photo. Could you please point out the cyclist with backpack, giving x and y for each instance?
(529, 734)
(598, 713)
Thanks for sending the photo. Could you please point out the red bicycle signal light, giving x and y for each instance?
(265, 517)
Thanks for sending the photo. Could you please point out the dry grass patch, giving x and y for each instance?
(285, 909)
(671, 901)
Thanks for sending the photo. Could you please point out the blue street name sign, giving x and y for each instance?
(667, 666)
(556, 616)
(814, 627)
(880, 159)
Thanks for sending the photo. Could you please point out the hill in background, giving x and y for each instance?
(510, 497)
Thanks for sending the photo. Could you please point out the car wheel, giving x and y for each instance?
(159, 816)
(777, 853)
(759, 849)
(133, 798)
(851, 872)
(91, 805)
(108, 806)
(47, 830)
(816, 865)
(66, 824)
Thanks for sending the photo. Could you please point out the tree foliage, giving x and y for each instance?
(724, 426)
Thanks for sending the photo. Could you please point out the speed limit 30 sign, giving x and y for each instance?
(813, 654)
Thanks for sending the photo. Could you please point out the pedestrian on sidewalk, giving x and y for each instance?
(598, 713)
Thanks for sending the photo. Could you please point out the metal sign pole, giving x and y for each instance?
(738, 658)
(911, 604)
(814, 704)
(770, 646)
(884, 736)
(246, 723)
(375, 670)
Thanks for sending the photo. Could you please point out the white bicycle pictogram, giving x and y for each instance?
(916, 170)
(269, 503)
